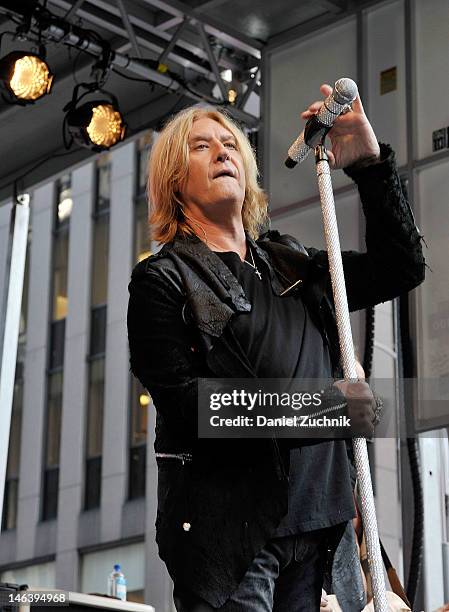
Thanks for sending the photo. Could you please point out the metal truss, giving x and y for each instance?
(192, 47)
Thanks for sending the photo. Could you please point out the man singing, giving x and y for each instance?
(245, 525)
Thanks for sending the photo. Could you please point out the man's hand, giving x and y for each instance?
(352, 137)
(361, 405)
(324, 604)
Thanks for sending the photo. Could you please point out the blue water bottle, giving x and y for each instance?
(117, 583)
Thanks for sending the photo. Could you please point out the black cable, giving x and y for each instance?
(417, 548)
(369, 341)
(409, 372)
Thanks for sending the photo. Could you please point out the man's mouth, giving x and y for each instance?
(224, 172)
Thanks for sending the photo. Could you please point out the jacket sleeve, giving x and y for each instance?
(162, 348)
(394, 262)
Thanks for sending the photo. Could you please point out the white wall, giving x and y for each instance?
(96, 567)
(296, 75)
(433, 295)
(385, 49)
(432, 70)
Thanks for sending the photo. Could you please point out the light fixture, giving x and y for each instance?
(97, 125)
(144, 400)
(26, 76)
(232, 95)
(235, 90)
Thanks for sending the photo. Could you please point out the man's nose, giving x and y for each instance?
(222, 153)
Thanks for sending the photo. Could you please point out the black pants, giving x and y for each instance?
(286, 576)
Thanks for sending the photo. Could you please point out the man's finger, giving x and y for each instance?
(326, 89)
(331, 158)
(357, 105)
(315, 106)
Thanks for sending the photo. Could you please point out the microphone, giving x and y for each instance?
(316, 128)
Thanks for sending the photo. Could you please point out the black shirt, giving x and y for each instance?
(281, 341)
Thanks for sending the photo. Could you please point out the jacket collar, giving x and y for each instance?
(213, 292)
(199, 254)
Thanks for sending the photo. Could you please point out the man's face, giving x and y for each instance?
(216, 176)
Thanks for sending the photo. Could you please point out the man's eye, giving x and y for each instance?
(202, 145)
(231, 145)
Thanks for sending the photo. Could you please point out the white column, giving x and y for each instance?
(434, 514)
(35, 371)
(116, 406)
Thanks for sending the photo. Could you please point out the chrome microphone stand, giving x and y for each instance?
(349, 369)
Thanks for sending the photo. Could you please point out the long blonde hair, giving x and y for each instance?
(168, 168)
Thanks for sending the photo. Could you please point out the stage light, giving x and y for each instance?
(97, 125)
(144, 400)
(26, 76)
(232, 95)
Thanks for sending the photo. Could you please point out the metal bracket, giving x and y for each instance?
(129, 28)
(212, 60)
(173, 41)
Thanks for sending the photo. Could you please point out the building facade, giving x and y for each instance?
(78, 464)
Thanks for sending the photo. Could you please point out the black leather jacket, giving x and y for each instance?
(234, 493)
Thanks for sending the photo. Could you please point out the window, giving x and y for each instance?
(98, 330)
(94, 442)
(143, 151)
(103, 183)
(64, 201)
(40, 575)
(99, 285)
(53, 436)
(95, 568)
(140, 404)
(59, 305)
(97, 349)
(142, 237)
(60, 261)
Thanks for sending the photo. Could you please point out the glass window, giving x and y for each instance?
(50, 494)
(60, 269)
(144, 148)
(54, 409)
(103, 184)
(9, 517)
(98, 330)
(95, 408)
(64, 202)
(137, 471)
(12, 470)
(95, 567)
(41, 575)
(92, 493)
(142, 234)
(94, 434)
(140, 404)
(57, 334)
(52, 447)
(99, 287)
